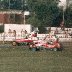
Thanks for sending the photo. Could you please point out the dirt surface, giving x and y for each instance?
(21, 59)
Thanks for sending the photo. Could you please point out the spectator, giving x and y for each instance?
(14, 33)
(9, 32)
(25, 34)
(22, 32)
(70, 32)
(34, 34)
(56, 31)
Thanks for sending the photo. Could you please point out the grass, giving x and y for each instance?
(20, 59)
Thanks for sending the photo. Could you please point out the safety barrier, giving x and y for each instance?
(10, 37)
(62, 37)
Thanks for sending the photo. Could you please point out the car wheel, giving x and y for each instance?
(33, 49)
(55, 49)
(14, 43)
(44, 49)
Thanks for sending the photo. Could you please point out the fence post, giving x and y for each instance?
(4, 38)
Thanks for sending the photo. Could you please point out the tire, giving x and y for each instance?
(33, 49)
(55, 49)
(25, 43)
(60, 49)
(14, 43)
(18, 44)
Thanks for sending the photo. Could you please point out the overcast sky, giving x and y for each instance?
(63, 3)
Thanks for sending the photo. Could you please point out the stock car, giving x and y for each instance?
(21, 42)
(29, 38)
(46, 44)
(51, 43)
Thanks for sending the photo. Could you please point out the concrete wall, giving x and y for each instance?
(17, 27)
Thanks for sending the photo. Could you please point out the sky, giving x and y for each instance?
(63, 3)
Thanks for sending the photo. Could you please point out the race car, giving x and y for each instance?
(46, 44)
(21, 42)
(52, 46)
(29, 38)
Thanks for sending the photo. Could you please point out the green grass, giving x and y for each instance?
(22, 60)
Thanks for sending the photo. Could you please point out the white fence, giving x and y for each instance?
(62, 37)
(11, 37)
(17, 27)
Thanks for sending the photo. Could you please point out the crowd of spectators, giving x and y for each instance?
(67, 32)
(24, 34)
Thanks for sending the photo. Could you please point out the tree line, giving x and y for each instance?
(42, 12)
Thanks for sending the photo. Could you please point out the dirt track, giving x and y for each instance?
(9, 45)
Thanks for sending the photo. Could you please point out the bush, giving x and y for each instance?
(1, 28)
(42, 29)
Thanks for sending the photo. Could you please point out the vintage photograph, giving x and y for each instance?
(35, 35)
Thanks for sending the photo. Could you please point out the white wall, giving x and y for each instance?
(62, 3)
(17, 27)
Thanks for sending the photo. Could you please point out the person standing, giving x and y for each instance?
(14, 33)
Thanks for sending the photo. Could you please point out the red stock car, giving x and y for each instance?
(25, 41)
(21, 42)
(46, 44)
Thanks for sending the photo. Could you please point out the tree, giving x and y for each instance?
(12, 4)
(43, 11)
(68, 16)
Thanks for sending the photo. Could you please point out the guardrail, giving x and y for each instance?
(11, 37)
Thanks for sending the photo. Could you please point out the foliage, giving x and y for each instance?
(42, 29)
(1, 28)
(45, 11)
(21, 59)
(12, 4)
(68, 17)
